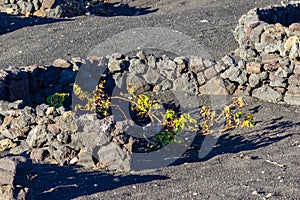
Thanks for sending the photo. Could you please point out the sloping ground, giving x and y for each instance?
(257, 163)
(24, 41)
(251, 164)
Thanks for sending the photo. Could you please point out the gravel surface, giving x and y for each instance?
(252, 164)
(33, 40)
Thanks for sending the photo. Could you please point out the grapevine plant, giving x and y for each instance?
(172, 123)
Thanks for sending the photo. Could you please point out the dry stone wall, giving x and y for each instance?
(268, 41)
(268, 68)
(52, 8)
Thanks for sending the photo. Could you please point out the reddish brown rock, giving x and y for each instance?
(253, 68)
(294, 80)
(62, 63)
(48, 3)
(297, 68)
(40, 13)
(39, 154)
(292, 96)
(295, 27)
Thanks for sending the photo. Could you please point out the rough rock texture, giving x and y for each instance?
(270, 34)
(15, 175)
(58, 135)
(269, 69)
(51, 8)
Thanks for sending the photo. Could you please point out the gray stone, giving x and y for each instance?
(273, 48)
(63, 137)
(271, 66)
(55, 12)
(20, 149)
(152, 76)
(41, 109)
(82, 119)
(16, 127)
(294, 52)
(186, 83)
(4, 106)
(138, 84)
(97, 133)
(181, 60)
(22, 5)
(38, 136)
(276, 80)
(284, 71)
(121, 139)
(242, 64)
(229, 61)
(232, 73)
(137, 66)
(296, 69)
(141, 55)
(242, 90)
(181, 69)
(119, 78)
(196, 64)
(36, 4)
(201, 78)
(113, 56)
(214, 86)
(267, 93)
(114, 158)
(9, 192)
(208, 63)
(230, 86)
(221, 66)
(115, 66)
(121, 127)
(294, 80)
(62, 154)
(270, 58)
(256, 32)
(85, 159)
(210, 72)
(6, 178)
(165, 85)
(242, 78)
(151, 61)
(15, 164)
(166, 64)
(29, 7)
(67, 122)
(167, 68)
(295, 28)
(254, 80)
(19, 104)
